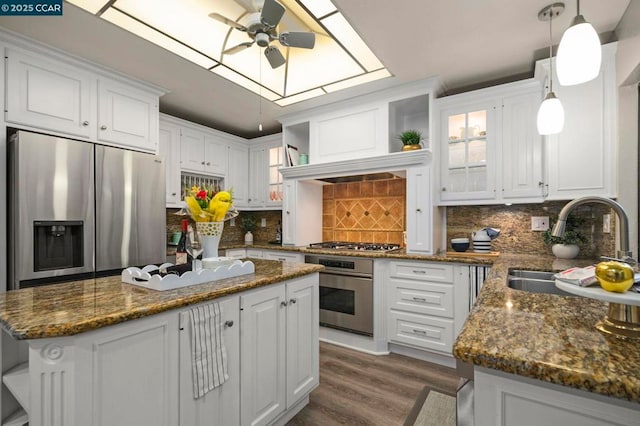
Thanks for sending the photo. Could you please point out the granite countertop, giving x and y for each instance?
(75, 307)
(396, 254)
(547, 337)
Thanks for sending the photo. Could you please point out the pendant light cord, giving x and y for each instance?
(578, 7)
(260, 95)
(551, 49)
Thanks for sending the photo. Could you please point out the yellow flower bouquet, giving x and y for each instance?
(209, 209)
(207, 205)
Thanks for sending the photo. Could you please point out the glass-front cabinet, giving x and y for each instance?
(276, 161)
(468, 150)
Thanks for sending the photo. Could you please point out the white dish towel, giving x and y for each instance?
(208, 352)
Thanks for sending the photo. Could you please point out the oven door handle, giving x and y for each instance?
(347, 274)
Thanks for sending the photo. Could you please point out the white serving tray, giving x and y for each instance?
(597, 292)
(142, 278)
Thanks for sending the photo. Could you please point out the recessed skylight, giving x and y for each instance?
(339, 59)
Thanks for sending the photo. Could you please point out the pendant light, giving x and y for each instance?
(550, 114)
(579, 53)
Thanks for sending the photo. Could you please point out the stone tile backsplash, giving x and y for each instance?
(514, 223)
(235, 234)
(368, 211)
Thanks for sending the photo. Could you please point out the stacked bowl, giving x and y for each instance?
(460, 244)
(482, 246)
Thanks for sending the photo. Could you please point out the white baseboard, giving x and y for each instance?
(441, 359)
(353, 341)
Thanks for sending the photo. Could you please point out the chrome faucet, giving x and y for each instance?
(623, 219)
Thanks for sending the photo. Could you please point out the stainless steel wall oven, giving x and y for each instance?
(346, 292)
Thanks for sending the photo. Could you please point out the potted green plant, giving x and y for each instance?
(248, 225)
(410, 139)
(566, 247)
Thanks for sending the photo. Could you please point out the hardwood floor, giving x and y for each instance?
(362, 389)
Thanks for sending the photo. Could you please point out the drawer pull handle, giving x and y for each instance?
(282, 259)
(228, 323)
(103, 127)
(283, 304)
(85, 123)
(417, 271)
(420, 332)
(293, 301)
(419, 299)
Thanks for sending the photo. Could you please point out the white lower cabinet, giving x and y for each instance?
(510, 400)
(279, 341)
(426, 303)
(221, 406)
(239, 253)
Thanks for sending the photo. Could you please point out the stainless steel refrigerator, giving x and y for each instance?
(77, 209)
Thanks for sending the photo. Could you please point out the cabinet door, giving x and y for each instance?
(263, 343)
(289, 213)
(169, 148)
(215, 156)
(521, 147)
(237, 176)
(419, 232)
(220, 406)
(582, 157)
(106, 361)
(257, 177)
(127, 116)
(275, 160)
(302, 337)
(192, 150)
(49, 95)
(468, 149)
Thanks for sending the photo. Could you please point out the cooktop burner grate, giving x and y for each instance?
(344, 245)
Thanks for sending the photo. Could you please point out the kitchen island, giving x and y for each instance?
(102, 352)
(523, 345)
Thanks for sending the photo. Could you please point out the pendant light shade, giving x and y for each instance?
(550, 115)
(579, 53)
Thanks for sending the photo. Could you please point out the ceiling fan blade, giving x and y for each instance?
(227, 21)
(272, 12)
(298, 39)
(274, 56)
(238, 48)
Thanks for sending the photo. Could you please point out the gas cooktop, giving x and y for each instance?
(343, 245)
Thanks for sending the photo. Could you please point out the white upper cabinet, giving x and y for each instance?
(581, 160)
(366, 126)
(215, 155)
(127, 116)
(192, 144)
(266, 157)
(49, 94)
(490, 151)
(169, 148)
(55, 95)
(237, 177)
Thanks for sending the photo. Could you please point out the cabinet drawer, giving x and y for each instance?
(256, 253)
(439, 272)
(421, 331)
(283, 256)
(421, 297)
(236, 253)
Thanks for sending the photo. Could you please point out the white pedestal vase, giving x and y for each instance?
(210, 233)
(565, 251)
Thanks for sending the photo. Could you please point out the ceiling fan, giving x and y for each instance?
(261, 27)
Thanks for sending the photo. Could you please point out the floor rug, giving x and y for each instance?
(432, 408)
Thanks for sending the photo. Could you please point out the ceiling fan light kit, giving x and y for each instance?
(579, 54)
(550, 119)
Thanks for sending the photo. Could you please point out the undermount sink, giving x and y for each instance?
(534, 282)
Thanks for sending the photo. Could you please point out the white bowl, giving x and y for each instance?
(459, 240)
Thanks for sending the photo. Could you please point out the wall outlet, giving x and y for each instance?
(606, 223)
(263, 222)
(232, 221)
(539, 223)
